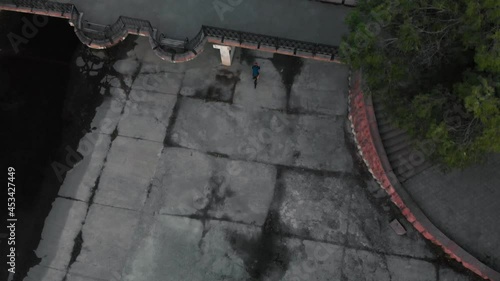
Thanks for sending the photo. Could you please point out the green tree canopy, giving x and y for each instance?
(435, 64)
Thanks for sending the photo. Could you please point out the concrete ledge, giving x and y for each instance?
(252, 46)
(285, 51)
(267, 48)
(214, 40)
(370, 147)
(230, 42)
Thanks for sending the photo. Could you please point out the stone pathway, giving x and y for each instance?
(191, 174)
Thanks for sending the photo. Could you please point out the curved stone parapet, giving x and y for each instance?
(98, 43)
(366, 135)
(118, 31)
(177, 57)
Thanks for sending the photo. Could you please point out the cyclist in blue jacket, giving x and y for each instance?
(255, 73)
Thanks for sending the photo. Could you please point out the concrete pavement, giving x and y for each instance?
(191, 174)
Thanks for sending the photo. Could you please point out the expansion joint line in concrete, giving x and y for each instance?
(99, 37)
(286, 234)
(369, 144)
(334, 174)
(209, 218)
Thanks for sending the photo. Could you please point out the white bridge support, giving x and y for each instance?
(226, 54)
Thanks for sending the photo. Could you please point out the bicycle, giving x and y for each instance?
(255, 78)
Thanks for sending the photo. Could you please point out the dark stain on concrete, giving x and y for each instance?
(222, 90)
(227, 77)
(288, 67)
(266, 256)
(171, 123)
(246, 57)
(218, 191)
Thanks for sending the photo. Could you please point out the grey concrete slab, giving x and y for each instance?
(362, 265)
(270, 92)
(234, 131)
(301, 20)
(42, 273)
(191, 183)
(107, 238)
(215, 84)
(411, 269)
(215, 197)
(448, 274)
(61, 227)
(151, 63)
(128, 172)
(314, 261)
(80, 180)
(146, 115)
(321, 144)
(195, 80)
(204, 77)
(109, 112)
(227, 251)
(318, 75)
(188, 251)
(369, 229)
(80, 277)
(160, 82)
(464, 205)
(320, 87)
(314, 206)
(310, 101)
(127, 66)
(266, 136)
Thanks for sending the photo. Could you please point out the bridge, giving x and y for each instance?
(179, 30)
